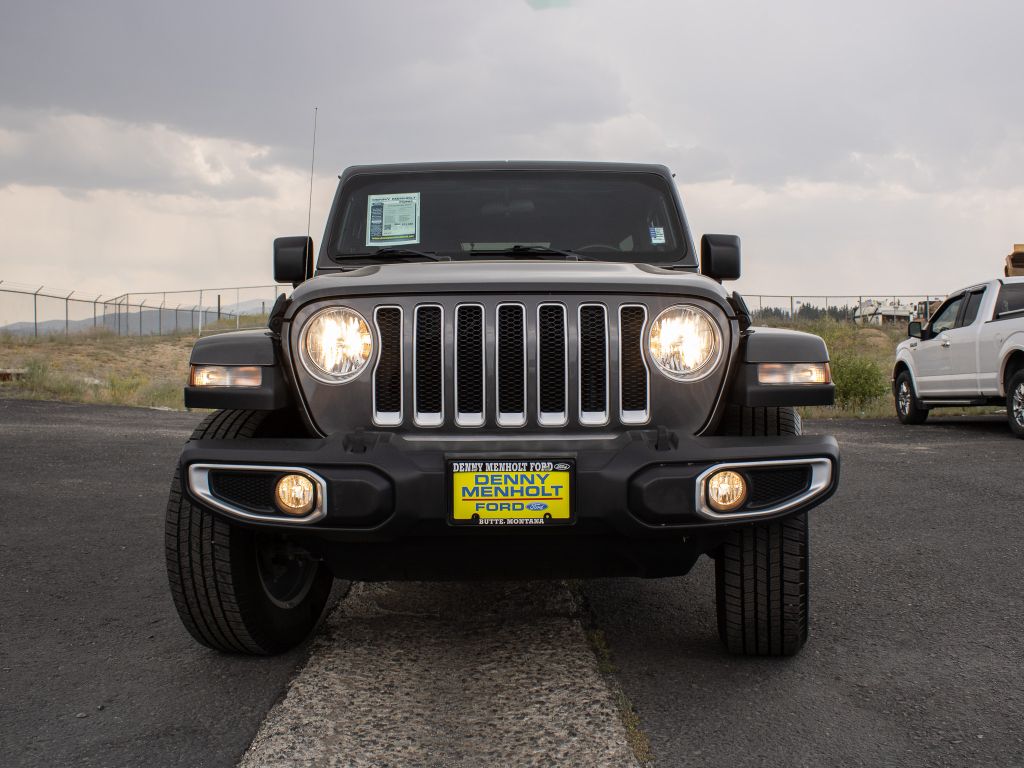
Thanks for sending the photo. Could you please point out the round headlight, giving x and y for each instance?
(335, 345)
(685, 342)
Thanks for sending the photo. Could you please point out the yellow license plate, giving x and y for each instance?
(512, 493)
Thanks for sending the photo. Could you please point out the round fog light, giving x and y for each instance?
(295, 494)
(727, 490)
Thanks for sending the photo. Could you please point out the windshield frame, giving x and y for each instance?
(356, 176)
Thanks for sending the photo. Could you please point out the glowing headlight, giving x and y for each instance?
(335, 345)
(685, 342)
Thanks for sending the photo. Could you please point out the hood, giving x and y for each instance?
(505, 276)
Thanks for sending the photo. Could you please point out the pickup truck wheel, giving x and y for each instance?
(761, 570)
(238, 590)
(1015, 403)
(908, 407)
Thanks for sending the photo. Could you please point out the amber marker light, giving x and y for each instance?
(295, 495)
(794, 373)
(226, 376)
(727, 491)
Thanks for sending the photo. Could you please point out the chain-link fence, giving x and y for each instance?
(866, 309)
(38, 311)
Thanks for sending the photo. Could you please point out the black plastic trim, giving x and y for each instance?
(254, 347)
(746, 390)
(271, 395)
(779, 345)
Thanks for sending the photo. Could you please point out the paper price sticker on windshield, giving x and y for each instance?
(393, 219)
(657, 235)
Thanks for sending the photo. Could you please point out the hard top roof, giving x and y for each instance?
(508, 165)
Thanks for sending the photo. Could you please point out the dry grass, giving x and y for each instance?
(102, 367)
(874, 344)
(98, 367)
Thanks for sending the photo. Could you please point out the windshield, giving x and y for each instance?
(608, 216)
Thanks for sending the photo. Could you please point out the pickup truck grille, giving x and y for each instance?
(515, 364)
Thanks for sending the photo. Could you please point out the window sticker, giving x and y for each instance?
(657, 235)
(393, 219)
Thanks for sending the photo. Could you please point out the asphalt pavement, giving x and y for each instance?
(96, 668)
(915, 656)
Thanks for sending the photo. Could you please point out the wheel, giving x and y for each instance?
(761, 569)
(239, 590)
(908, 407)
(1015, 403)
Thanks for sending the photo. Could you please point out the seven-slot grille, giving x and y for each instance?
(475, 365)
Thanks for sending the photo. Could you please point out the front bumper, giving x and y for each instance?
(642, 484)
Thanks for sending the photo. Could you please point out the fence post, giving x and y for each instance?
(67, 312)
(200, 311)
(238, 311)
(791, 314)
(35, 312)
(141, 305)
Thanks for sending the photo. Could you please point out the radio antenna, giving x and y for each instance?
(312, 163)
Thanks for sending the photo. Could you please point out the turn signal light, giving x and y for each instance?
(794, 373)
(295, 495)
(226, 376)
(727, 491)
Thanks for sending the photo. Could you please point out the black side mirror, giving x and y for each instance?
(914, 330)
(293, 259)
(720, 257)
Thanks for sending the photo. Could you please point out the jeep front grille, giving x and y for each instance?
(548, 363)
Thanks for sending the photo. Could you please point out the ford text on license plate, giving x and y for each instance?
(519, 492)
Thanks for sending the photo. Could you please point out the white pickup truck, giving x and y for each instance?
(971, 352)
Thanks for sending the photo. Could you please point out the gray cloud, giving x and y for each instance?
(848, 102)
(777, 90)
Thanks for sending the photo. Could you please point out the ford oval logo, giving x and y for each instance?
(536, 506)
(561, 467)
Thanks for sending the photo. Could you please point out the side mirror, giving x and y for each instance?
(293, 259)
(720, 257)
(914, 330)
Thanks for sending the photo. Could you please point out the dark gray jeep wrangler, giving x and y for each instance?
(499, 370)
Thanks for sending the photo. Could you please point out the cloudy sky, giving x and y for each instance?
(855, 147)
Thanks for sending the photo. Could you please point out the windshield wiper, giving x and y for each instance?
(531, 252)
(395, 254)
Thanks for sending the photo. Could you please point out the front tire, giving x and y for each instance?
(1015, 403)
(238, 590)
(761, 570)
(908, 408)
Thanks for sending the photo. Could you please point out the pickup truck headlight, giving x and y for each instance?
(335, 345)
(685, 342)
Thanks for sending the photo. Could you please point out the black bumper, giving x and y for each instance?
(382, 487)
(635, 502)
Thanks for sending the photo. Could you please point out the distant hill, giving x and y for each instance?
(134, 323)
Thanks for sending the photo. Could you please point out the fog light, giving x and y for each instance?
(295, 494)
(727, 490)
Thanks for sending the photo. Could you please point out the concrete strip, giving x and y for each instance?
(447, 675)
